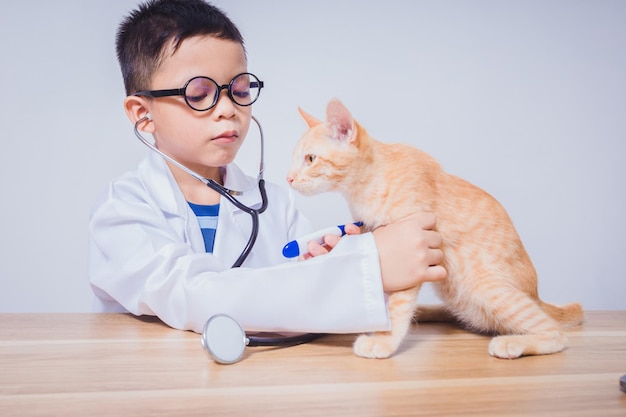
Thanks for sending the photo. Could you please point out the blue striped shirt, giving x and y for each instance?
(207, 219)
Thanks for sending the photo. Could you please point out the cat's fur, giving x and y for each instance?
(491, 285)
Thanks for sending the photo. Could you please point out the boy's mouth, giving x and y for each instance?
(229, 136)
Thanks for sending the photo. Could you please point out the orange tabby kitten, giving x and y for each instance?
(491, 285)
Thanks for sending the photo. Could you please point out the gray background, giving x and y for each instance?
(526, 99)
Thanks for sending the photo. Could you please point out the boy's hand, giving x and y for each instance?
(315, 249)
(409, 252)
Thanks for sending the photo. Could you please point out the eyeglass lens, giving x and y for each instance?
(202, 93)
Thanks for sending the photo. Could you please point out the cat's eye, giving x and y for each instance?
(309, 158)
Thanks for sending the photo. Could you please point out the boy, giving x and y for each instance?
(147, 251)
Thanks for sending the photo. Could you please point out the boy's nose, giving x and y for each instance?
(224, 104)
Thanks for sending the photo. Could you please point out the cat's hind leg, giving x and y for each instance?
(514, 346)
(401, 306)
(525, 328)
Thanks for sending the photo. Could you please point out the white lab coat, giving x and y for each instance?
(147, 257)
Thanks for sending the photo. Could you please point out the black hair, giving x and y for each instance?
(147, 33)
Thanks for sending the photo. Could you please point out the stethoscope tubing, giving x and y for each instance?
(254, 215)
(283, 340)
(223, 191)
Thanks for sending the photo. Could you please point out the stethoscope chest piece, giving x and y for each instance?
(224, 339)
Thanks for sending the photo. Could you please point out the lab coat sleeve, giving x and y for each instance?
(337, 293)
(140, 263)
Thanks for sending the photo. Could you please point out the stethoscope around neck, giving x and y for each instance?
(223, 191)
(223, 337)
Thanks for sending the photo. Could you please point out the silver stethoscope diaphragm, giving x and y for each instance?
(225, 340)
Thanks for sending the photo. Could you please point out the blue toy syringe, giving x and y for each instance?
(299, 246)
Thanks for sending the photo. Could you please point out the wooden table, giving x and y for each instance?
(120, 365)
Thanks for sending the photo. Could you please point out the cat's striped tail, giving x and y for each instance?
(568, 315)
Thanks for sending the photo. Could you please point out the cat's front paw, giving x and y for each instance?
(376, 346)
(506, 347)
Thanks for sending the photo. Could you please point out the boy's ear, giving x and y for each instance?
(136, 108)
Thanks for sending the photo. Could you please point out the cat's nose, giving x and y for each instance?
(289, 179)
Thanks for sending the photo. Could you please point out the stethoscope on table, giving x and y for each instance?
(223, 337)
(225, 340)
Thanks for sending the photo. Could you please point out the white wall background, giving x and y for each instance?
(525, 98)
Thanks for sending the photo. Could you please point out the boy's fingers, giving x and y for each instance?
(435, 257)
(435, 273)
(433, 239)
(315, 249)
(352, 229)
(331, 240)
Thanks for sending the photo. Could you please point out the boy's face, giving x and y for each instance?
(202, 141)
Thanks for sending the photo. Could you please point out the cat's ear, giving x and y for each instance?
(310, 120)
(340, 121)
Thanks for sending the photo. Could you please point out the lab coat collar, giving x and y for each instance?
(160, 180)
(235, 179)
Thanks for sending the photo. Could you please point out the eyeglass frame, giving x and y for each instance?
(182, 91)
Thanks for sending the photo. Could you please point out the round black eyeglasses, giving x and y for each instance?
(202, 93)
